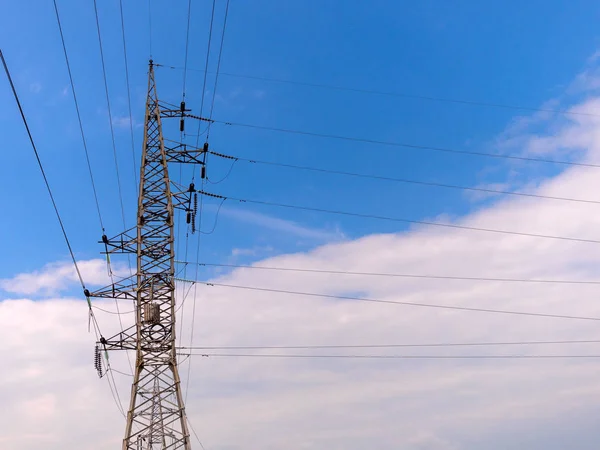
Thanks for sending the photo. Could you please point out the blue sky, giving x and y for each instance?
(534, 53)
(464, 49)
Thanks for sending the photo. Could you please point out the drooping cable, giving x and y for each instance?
(210, 29)
(400, 180)
(405, 145)
(110, 120)
(212, 106)
(62, 227)
(195, 434)
(72, 84)
(361, 346)
(411, 221)
(37, 157)
(135, 171)
(394, 302)
(150, 26)
(398, 94)
(397, 275)
(247, 355)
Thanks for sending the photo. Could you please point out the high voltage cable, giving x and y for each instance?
(212, 106)
(248, 355)
(72, 84)
(92, 316)
(187, 41)
(404, 145)
(37, 157)
(212, 18)
(203, 183)
(394, 219)
(195, 434)
(440, 344)
(394, 302)
(62, 227)
(150, 26)
(397, 94)
(208, 47)
(399, 180)
(396, 275)
(112, 132)
(135, 175)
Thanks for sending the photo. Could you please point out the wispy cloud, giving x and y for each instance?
(254, 251)
(124, 122)
(35, 87)
(58, 277)
(282, 225)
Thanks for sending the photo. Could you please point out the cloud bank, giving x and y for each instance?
(53, 399)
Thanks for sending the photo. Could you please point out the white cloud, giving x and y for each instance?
(354, 404)
(254, 251)
(35, 87)
(58, 277)
(281, 225)
(124, 122)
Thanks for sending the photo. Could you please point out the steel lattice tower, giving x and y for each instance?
(156, 417)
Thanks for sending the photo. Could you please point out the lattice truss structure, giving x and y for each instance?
(156, 416)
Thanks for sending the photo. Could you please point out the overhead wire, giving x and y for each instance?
(395, 302)
(110, 120)
(248, 355)
(195, 434)
(92, 316)
(212, 106)
(187, 41)
(135, 172)
(371, 346)
(399, 180)
(150, 26)
(403, 144)
(395, 275)
(399, 94)
(210, 30)
(402, 220)
(46, 182)
(189, 374)
(84, 141)
(114, 146)
(208, 48)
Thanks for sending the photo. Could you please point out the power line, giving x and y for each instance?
(212, 106)
(247, 355)
(92, 316)
(399, 180)
(128, 95)
(442, 344)
(208, 47)
(195, 434)
(404, 145)
(203, 182)
(187, 41)
(396, 275)
(112, 132)
(394, 219)
(210, 29)
(110, 120)
(394, 302)
(87, 155)
(37, 157)
(150, 26)
(399, 94)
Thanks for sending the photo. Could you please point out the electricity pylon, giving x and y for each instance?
(156, 416)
